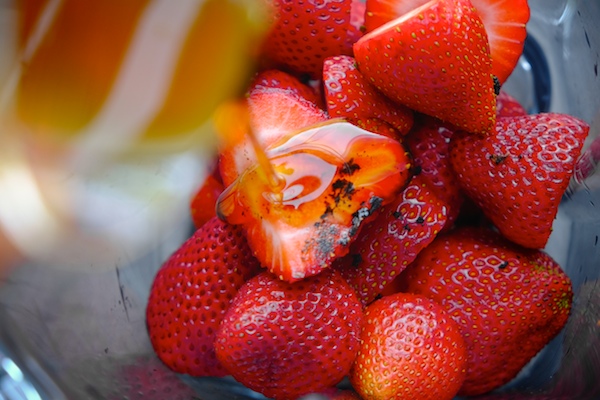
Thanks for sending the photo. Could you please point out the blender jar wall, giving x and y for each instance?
(82, 333)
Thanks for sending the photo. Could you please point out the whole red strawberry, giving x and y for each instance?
(410, 349)
(435, 60)
(518, 175)
(350, 95)
(508, 106)
(191, 293)
(306, 32)
(392, 240)
(508, 301)
(285, 339)
(429, 144)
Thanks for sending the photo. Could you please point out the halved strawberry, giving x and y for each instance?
(504, 22)
(350, 95)
(519, 175)
(331, 178)
(436, 60)
(278, 104)
(392, 240)
(429, 144)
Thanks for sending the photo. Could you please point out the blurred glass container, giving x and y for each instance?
(73, 326)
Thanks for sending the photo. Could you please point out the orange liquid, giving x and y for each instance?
(322, 170)
(79, 62)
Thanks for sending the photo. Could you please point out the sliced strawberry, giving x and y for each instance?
(332, 178)
(518, 175)
(380, 12)
(392, 240)
(376, 125)
(278, 104)
(504, 22)
(429, 144)
(508, 106)
(350, 95)
(435, 60)
(304, 33)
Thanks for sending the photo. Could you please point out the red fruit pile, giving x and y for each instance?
(379, 211)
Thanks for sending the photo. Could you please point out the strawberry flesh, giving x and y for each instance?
(334, 177)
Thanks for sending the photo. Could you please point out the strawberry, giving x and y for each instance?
(518, 176)
(202, 206)
(278, 105)
(279, 80)
(349, 95)
(304, 33)
(504, 22)
(410, 349)
(429, 144)
(377, 125)
(190, 294)
(508, 106)
(392, 240)
(285, 340)
(331, 178)
(435, 60)
(508, 301)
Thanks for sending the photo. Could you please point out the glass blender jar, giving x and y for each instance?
(72, 321)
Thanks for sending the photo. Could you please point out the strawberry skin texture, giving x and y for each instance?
(285, 340)
(190, 294)
(305, 32)
(508, 301)
(508, 106)
(349, 95)
(505, 23)
(429, 144)
(410, 349)
(392, 240)
(435, 60)
(518, 176)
